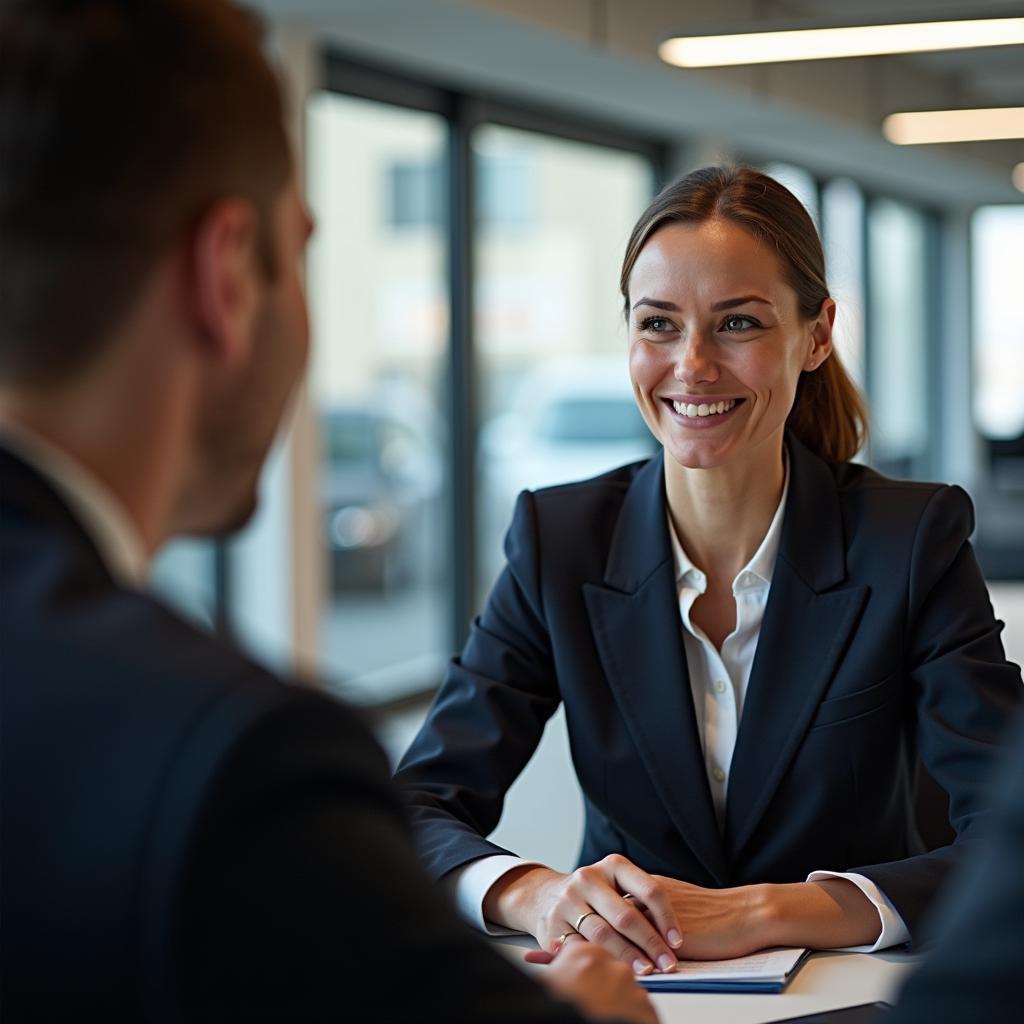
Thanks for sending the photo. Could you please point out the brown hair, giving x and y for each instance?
(121, 121)
(828, 414)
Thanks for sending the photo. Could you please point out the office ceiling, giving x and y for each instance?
(995, 76)
(597, 58)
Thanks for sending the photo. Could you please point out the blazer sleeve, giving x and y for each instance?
(963, 690)
(303, 899)
(489, 715)
(972, 972)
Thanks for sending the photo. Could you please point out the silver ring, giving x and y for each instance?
(628, 896)
(583, 918)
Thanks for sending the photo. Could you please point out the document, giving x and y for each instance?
(766, 971)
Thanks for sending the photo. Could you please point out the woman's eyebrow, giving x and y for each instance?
(741, 300)
(657, 304)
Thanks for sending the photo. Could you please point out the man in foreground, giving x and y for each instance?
(972, 970)
(184, 837)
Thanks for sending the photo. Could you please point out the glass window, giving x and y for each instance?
(997, 245)
(898, 370)
(378, 299)
(506, 190)
(843, 213)
(997, 239)
(555, 399)
(416, 194)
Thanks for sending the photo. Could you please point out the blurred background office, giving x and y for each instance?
(474, 169)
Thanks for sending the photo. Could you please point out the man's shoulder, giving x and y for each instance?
(128, 734)
(86, 658)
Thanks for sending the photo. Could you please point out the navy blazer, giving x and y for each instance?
(187, 839)
(878, 646)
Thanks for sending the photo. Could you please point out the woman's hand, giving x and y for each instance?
(719, 924)
(598, 986)
(602, 900)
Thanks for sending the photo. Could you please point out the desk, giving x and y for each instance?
(826, 981)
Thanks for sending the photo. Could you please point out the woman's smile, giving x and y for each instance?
(701, 412)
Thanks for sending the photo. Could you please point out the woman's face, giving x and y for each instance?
(717, 343)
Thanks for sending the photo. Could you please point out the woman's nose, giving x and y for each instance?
(695, 360)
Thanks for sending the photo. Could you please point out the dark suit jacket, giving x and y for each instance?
(184, 837)
(973, 971)
(878, 645)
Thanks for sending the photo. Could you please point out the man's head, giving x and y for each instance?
(140, 138)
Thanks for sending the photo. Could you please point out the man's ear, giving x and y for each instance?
(821, 335)
(226, 278)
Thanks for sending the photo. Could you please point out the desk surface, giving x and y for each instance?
(826, 981)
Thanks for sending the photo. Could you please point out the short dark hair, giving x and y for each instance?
(828, 414)
(120, 122)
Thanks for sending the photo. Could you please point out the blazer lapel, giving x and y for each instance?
(807, 623)
(636, 626)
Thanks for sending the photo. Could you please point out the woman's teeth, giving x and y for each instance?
(704, 409)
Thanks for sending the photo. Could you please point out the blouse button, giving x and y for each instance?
(718, 775)
(719, 686)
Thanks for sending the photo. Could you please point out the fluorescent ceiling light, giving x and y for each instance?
(920, 127)
(1018, 177)
(827, 43)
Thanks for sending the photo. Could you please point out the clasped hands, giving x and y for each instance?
(647, 921)
(669, 919)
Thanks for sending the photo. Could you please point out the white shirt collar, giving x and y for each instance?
(97, 510)
(758, 571)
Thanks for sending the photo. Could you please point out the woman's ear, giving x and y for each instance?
(821, 335)
(226, 278)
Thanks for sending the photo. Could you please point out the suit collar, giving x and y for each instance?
(640, 543)
(95, 507)
(811, 539)
(29, 499)
(812, 542)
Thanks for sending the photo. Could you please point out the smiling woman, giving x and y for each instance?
(744, 239)
(753, 637)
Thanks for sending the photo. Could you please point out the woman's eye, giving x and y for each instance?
(739, 323)
(655, 324)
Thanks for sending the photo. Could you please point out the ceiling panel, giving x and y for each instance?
(994, 75)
